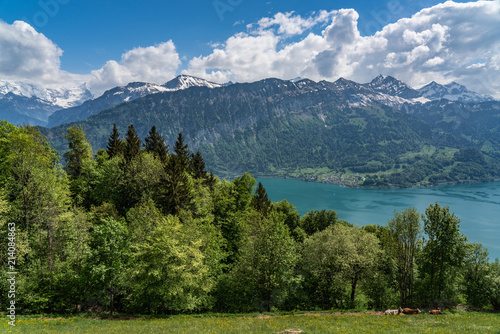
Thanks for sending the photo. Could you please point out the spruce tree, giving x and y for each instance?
(156, 144)
(198, 166)
(132, 146)
(114, 143)
(79, 150)
(260, 201)
(175, 187)
(182, 152)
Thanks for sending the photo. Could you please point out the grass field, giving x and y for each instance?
(460, 322)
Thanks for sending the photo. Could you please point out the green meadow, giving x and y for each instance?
(459, 322)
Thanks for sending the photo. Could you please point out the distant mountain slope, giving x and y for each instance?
(452, 92)
(118, 95)
(284, 128)
(22, 102)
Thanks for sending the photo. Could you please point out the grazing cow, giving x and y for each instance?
(411, 311)
(438, 311)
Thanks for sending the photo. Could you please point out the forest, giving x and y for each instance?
(142, 228)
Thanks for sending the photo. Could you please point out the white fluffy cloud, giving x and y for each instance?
(450, 41)
(156, 64)
(27, 54)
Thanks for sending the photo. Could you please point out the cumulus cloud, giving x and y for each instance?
(156, 64)
(27, 55)
(450, 41)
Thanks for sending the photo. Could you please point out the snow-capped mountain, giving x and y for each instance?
(453, 92)
(23, 102)
(59, 97)
(392, 86)
(118, 95)
(185, 81)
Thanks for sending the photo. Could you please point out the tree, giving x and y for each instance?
(494, 284)
(106, 259)
(175, 191)
(443, 252)
(79, 151)
(475, 272)
(132, 145)
(315, 221)
(406, 231)
(182, 152)
(264, 271)
(115, 144)
(169, 272)
(335, 260)
(260, 201)
(198, 166)
(156, 144)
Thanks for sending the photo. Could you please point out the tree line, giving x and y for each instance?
(136, 228)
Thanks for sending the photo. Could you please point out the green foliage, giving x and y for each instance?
(406, 231)
(316, 221)
(156, 144)
(105, 260)
(169, 272)
(79, 151)
(132, 144)
(264, 271)
(443, 253)
(115, 144)
(260, 200)
(475, 271)
(335, 260)
(493, 279)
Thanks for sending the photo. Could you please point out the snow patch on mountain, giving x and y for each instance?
(60, 97)
(453, 92)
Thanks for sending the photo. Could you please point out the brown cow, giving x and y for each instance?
(438, 311)
(411, 311)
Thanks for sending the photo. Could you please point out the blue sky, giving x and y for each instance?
(95, 40)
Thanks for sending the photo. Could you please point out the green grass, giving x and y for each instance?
(320, 323)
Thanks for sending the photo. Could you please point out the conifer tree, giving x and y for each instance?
(156, 144)
(175, 187)
(132, 146)
(198, 166)
(79, 150)
(114, 143)
(181, 150)
(260, 201)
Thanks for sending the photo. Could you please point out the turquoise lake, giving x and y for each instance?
(476, 205)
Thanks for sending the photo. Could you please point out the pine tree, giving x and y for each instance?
(156, 144)
(114, 143)
(132, 146)
(181, 150)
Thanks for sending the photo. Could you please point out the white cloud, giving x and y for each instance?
(441, 43)
(27, 55)
(156, 64)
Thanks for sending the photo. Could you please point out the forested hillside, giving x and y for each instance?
(339, 132)
(141, 227)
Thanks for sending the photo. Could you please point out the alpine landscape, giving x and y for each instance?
(156, 192)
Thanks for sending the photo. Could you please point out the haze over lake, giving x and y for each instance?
(476, 205)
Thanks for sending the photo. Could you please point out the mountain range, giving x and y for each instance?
(382, 133)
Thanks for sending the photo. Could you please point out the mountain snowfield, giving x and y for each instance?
(54, 106)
